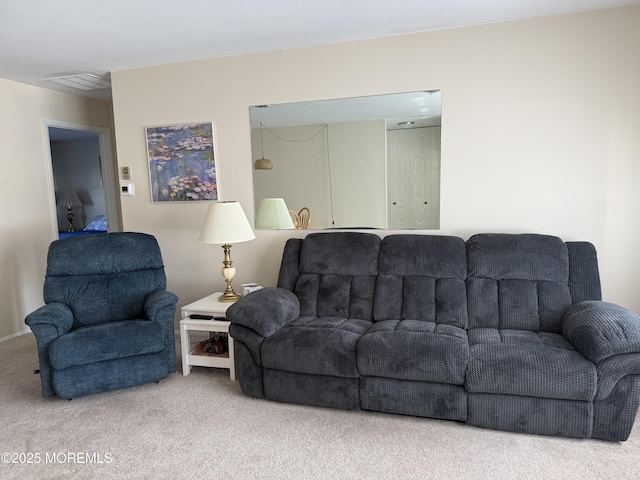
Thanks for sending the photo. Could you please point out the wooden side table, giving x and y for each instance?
(206, 306)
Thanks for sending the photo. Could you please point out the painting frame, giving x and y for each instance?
(182, 162)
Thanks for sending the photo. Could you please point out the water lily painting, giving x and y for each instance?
(182, 164)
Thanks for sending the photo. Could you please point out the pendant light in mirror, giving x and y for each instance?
(262, 163)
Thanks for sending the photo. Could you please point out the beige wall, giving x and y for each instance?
(540, 133)
(358, 150)
(295, 163)
(27, 225)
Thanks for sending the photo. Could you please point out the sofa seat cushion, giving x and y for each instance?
(414, 350)
(316, 345)
(107, 341)
(534, 364)
(518, 337)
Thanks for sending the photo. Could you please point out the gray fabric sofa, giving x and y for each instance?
(501, 331)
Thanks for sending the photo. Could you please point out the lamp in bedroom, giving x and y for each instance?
(69, 199)
(224, 224)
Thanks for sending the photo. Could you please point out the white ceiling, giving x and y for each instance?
(40, 39)
(421, 108)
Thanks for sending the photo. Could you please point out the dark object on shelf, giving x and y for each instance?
(196, 316)
(216, 344)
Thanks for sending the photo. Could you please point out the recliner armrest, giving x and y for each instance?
(600, 330)
(158, 300)
(265, 311)
(55, 315)
(48, 323)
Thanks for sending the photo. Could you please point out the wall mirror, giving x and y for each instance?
(365, 162)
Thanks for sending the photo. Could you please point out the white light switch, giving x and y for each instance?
(127, 189)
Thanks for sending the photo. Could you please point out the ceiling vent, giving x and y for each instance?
(82, 81)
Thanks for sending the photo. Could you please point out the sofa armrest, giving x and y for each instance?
(157, 301)
(600, 330)
(265, 311)
(53, 317)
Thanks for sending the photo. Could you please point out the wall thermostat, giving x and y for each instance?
(127, 189)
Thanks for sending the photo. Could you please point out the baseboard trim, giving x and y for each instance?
(14, 335)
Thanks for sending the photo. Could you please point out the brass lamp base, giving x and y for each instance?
(231, 296)
(228, 272)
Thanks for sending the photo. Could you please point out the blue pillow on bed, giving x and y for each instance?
(98, 224)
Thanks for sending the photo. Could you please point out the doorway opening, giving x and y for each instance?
(81, 166)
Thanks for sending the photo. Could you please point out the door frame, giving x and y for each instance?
(107, 164)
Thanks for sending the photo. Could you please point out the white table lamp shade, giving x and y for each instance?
(226, 223)
(273, 214)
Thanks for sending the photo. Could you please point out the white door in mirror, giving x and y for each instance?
(414, 178)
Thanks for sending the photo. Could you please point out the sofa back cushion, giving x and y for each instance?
(290, 264)
(422, 277)
(518, 282)
(337, 274)
(104, 277)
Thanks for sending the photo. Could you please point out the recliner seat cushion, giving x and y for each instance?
(316, 345)
(106, 341)
(414, 350)
(524, 363)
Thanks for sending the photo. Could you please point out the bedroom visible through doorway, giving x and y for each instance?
(82, 173)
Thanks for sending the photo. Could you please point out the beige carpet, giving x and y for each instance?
(201, 426)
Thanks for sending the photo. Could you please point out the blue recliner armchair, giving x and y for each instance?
(108, 319)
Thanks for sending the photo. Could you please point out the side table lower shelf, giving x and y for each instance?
(225, 360)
